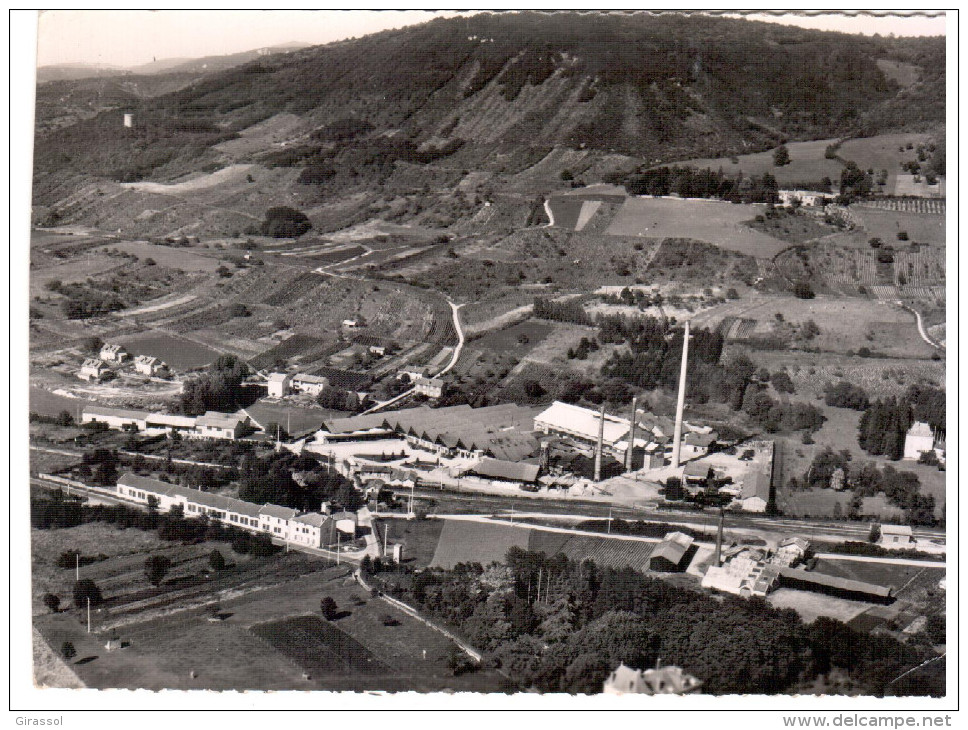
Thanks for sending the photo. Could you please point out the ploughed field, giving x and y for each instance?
(178, 352)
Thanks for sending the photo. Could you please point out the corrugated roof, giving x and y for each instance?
(833, 581)
(214, 419)
(582, 421)
(500, 469)
(274, 510)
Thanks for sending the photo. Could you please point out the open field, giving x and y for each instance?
(318, 646)
(846, 323)
(50, 404)
(182, 258)
(76, 270)
(418, 537)
(885, 224)
(516, 340)
(713, 221)
(477, 542)
(898, 576)
(881, 153)
(811, 606)
(165, 652)
(178, 352)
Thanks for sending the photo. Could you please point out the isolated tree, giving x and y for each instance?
(85, 589)
(216, 560)
(328, 607)
(68, 650)
(285, 222)
(875, 534)
(52, 602)
(803, 290)
(156, 568)
(781, 156)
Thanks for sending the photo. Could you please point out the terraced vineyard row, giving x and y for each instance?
(932, 206)
(290, 291)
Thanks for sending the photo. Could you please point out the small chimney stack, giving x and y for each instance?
(681, 402)
(601, 444)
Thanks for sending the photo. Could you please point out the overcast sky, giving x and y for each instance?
(132, 37)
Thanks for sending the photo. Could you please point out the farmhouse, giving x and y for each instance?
(658, 681)
(672, 554)
(807, 198)
(310, 384)
(896, 536)
(221, 425)
(113, 353)
(919, 439)
(311, 529)
(278, 385)
(150, 366)
(93, 369)
(430, 387)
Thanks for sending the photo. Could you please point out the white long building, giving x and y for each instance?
(283, 523)
(211, 425)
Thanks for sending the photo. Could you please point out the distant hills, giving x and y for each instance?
(206, 64)
(497, 92)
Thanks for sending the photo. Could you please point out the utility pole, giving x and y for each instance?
(337, 546)
(88, 614)
(77, 567)
(386, 530)
(609, 520)
(681, 402)
(628, 452)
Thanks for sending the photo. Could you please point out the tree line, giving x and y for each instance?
(559, 625)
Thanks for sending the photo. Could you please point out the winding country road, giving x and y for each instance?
(455, 310)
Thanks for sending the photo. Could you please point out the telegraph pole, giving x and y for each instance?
(77, 567)
(89, 614)
(337, 546)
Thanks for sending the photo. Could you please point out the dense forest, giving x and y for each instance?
(558, 625)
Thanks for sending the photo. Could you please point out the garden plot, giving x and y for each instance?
(177, 352)
(318, 646)
(712, 221)
(811, 606)
(77, 269)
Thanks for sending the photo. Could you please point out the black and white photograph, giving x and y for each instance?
(506, 356)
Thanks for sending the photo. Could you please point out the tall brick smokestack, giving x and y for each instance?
(628, 452)
(600, 446)
(680, 404)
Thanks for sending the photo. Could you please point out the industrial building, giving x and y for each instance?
(283, 523)
(673, 554)
(212, 425)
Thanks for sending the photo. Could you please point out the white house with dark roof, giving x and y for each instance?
(93, 369)
(113, 353)
(310, 384)
(150, 366)
(430, 387)
(275, 520)
(278, 384)
(896, 536)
